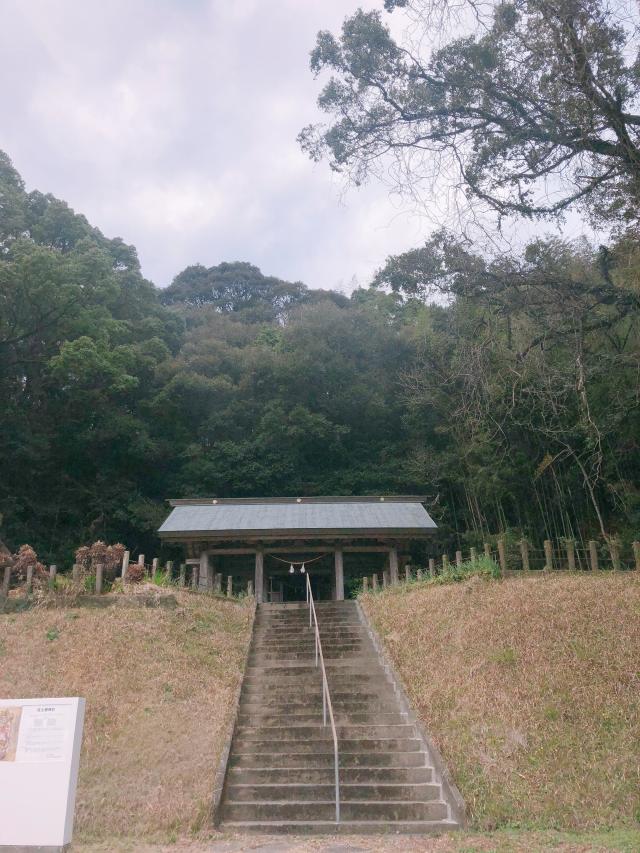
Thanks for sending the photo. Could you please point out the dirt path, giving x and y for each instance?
(500, 842)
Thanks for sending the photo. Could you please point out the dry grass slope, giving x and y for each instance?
(531, 688)
(158, 684)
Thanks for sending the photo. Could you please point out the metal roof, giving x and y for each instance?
(322, 516)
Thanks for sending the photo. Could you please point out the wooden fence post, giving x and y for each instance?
(365, 584)
(548, 555)
(99, 570)
(407, 573)
(593, 555)
(141, 563)
(229, 586)
(432, 567)
(524, 554)
(445, 562)
(6, 581)
(502, 556)
(249, 587)
(374, 582)
(385, 579)
(614, 550)
(30, 578)
(458, 558)
(487, 550)
(474, 555)
(75, 573)
(419, 574)
(217, 584)
(169, 570)
(154, 567)
(183, 574)
(194, 576)
(53, 571)
(636, 555)
(571, 555)
(125, 564)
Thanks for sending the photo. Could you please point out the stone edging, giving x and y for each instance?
(454, 799)
(221, 771)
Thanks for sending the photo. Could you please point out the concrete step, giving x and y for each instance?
(325, 775)
(305, 760)
(345, 827)
(349, 810)
(302, 666)
(311, 695)
(286, 718)
(302, 732)
(350, 792)
(320, 745)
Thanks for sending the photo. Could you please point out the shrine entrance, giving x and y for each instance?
(287, 578)
(270, 540)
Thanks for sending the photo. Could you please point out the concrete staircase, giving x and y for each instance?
(280, 775)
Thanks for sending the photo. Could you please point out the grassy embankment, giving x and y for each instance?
(159, 685)
(531, 688)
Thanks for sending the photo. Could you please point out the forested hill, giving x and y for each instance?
(511, 400)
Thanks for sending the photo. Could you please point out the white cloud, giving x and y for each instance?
(173, 123)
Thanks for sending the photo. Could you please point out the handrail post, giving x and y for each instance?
(326, 698)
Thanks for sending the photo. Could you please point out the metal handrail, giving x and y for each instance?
(326, 697)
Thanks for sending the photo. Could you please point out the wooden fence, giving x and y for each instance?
(518, 557)
(185, 576)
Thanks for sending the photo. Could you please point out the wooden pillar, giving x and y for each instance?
(393, 566)
(571, 555)
(419, 574)
(407, 573)
(458, 558)
(385, 579)
(432, 567)
(593, 555)
(99, 571)
(548, 555)
(6, 581)
(487, 550)
(217, 582)
(374, 582)
(125, 564)
(502, 556)
(365, 584)
(259, 577)
(474, 555)
(249, 587)
(339, 574)
(194, 576)
(169, 570)
(53, 571)
(154, 567)
(204, 568)
(445, 562)
(183, 574)
(614, 550)
(524, 553)
(636, 555)
(229, 586)
(30, 577)
(141, 562)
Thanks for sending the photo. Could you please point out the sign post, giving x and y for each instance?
(40, 743)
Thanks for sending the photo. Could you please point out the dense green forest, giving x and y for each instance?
(506, 389)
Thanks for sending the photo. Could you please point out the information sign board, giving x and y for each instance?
(40, 742)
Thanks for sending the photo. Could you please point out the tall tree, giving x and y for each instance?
(535, 109)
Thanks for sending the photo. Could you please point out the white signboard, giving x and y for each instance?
(40, 743)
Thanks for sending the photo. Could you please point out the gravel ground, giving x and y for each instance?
(500, 842)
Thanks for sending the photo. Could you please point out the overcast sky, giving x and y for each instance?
(173, 124)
